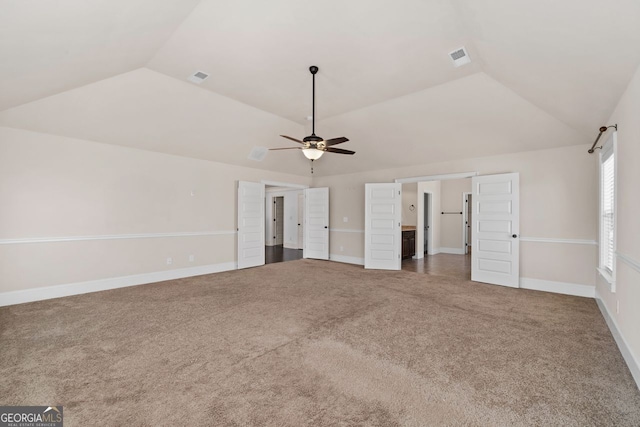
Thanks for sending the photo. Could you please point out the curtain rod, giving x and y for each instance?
(602, 129)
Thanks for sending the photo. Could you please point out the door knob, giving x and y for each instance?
(326, 226)
(514, 236)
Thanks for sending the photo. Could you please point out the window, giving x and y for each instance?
(608, 210)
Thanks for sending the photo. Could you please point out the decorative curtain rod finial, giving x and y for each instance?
(602, 130)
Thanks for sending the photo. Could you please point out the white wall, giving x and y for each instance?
(557, 244)
(623, 305)
(75, 211)
(451, 200)
(409, 198)
(432, 187)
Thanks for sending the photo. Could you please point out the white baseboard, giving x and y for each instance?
(629, 357)
(558, 287)
(346, 259)
(454, 251)
(57, 291)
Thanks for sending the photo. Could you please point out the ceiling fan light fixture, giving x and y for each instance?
(312, 153)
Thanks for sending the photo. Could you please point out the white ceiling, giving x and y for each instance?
(51, 46)
(544, 74)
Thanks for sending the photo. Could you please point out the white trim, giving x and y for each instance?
(113, 237)
(608, 278)
(346, 230)
(552, 240)
(632, 361)
(284, 184)
(346, 259)
(575, 289)
(436, 177)
(454, 251)
(629, 261)
(609, 148)
(58, 291)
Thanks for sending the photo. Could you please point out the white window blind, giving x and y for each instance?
(608, 214)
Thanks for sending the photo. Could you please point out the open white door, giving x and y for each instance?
(316, 223)
(382, 231)
(495, 255)
(250, 224)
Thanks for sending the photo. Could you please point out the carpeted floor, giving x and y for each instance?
(317, 343)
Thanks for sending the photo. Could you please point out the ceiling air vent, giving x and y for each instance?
(459, 57)
(258, 154)
(198, 77)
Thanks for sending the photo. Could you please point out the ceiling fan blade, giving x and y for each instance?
(339, 151)
(287, 148)
(335, 141)
(292, 139)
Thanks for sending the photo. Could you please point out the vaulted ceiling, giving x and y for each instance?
(543, 74)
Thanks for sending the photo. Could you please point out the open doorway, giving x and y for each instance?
(442, 235)
(284, 217)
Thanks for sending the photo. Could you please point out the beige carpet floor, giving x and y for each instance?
(317, 343)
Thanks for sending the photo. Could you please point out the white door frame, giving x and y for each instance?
(421, 212)
(465, 221)
(441, 177)
(270, 194)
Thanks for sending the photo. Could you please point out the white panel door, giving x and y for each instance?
(316, 224)
(495, 255)
(250, 224)
(382, 231)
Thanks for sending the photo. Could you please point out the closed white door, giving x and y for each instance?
(316, 227)
(495, 255)
(382, 231)
(250, 224)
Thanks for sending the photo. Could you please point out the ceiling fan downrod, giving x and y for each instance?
(314, 71)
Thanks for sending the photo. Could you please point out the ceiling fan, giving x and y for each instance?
(313, 146)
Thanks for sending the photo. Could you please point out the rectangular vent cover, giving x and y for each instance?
(198, 77)
(460, 57)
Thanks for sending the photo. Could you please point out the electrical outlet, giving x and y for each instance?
(345, 219)
(169, 261)
(341, 248)
(191, 258)
(617, 307)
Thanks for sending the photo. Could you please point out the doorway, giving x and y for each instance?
(282, 223)
(441, 239)
(278, 220)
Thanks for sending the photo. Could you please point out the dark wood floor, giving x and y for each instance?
(458, 266)
(279, 253)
